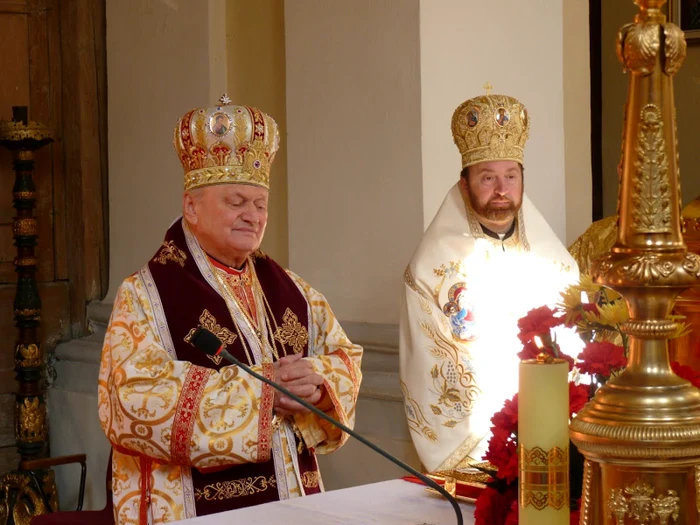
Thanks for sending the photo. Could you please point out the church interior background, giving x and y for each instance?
(363, 91)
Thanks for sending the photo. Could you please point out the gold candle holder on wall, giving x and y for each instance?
(640, 435)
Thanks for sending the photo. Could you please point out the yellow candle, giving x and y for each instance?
(543, 442)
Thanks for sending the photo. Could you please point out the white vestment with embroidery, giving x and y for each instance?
(464, 293)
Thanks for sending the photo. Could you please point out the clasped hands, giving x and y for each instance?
(298, 376)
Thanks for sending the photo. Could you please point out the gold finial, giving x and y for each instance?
(224, 100)
(488, 87)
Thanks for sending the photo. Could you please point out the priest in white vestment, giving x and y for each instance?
(487, 258)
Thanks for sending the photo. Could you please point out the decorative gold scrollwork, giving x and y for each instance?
(170, 252)
(26, 261)
(310, 479)
(28, 356)
(638, 46)
(208, 321)
(16, 131)
(544, 477)
(646, 268)
(675, 48)
(19, 500)
(235, 488)
(697, 488)
(636, 501)
(292, 333)
(29, 313)
(30, 421)
(651, 204)
(691, 264)
(24, 226)
(24, 195)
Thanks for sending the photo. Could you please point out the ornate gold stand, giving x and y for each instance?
(641, 433)
(21, 497)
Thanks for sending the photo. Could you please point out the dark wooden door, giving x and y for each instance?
(52, 59)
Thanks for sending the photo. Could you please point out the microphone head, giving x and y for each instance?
(205, 341)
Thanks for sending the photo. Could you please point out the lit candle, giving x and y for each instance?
(543, 441)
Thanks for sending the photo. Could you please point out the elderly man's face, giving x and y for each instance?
(228, 220)
(495, 191)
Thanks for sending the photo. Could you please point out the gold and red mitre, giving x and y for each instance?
(490, 127)
(226, 144)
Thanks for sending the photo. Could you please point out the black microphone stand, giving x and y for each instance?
(396, 461)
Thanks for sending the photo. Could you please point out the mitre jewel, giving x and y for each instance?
(226, 144)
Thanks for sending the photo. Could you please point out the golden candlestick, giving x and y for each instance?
(640, 435)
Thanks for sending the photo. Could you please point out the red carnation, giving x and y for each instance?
(601, 358)
(687, 373)
(530, 351)
(575, 517)
(506, 419)
(512, 518)
(503, 454)
(568, 359)
(492, 507)
(537, 322)
(578, 397)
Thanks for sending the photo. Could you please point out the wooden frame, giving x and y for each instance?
(84, 132)
(679, 13)
(596, 60)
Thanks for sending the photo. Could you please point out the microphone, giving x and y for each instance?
(210, 344)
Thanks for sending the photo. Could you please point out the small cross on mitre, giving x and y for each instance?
(224, 100)
(488, 87)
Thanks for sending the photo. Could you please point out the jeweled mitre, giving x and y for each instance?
(490, 127)
(226, 144)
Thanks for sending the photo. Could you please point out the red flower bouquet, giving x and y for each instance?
(598, 323)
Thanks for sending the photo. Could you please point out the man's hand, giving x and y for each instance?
(298, 376)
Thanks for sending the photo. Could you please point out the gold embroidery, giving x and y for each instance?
(208, 321)
(310, 479)
(292, 333)
(415, 417)
(170, 252)
(423, 299)
(453, 381)
(258, 254)
(235, 488)
(238, 280)
(453, 269)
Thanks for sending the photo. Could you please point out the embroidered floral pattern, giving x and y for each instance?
(235, 488)
(292, 333)
(208, 321)
(310, 479)
(170, 252)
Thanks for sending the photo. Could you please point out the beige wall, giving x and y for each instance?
(158, 68)
(577, 119)
(354, 150)
(686, 83)
(256, 77)
(521, 52)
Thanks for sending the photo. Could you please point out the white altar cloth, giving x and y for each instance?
(394, 502)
